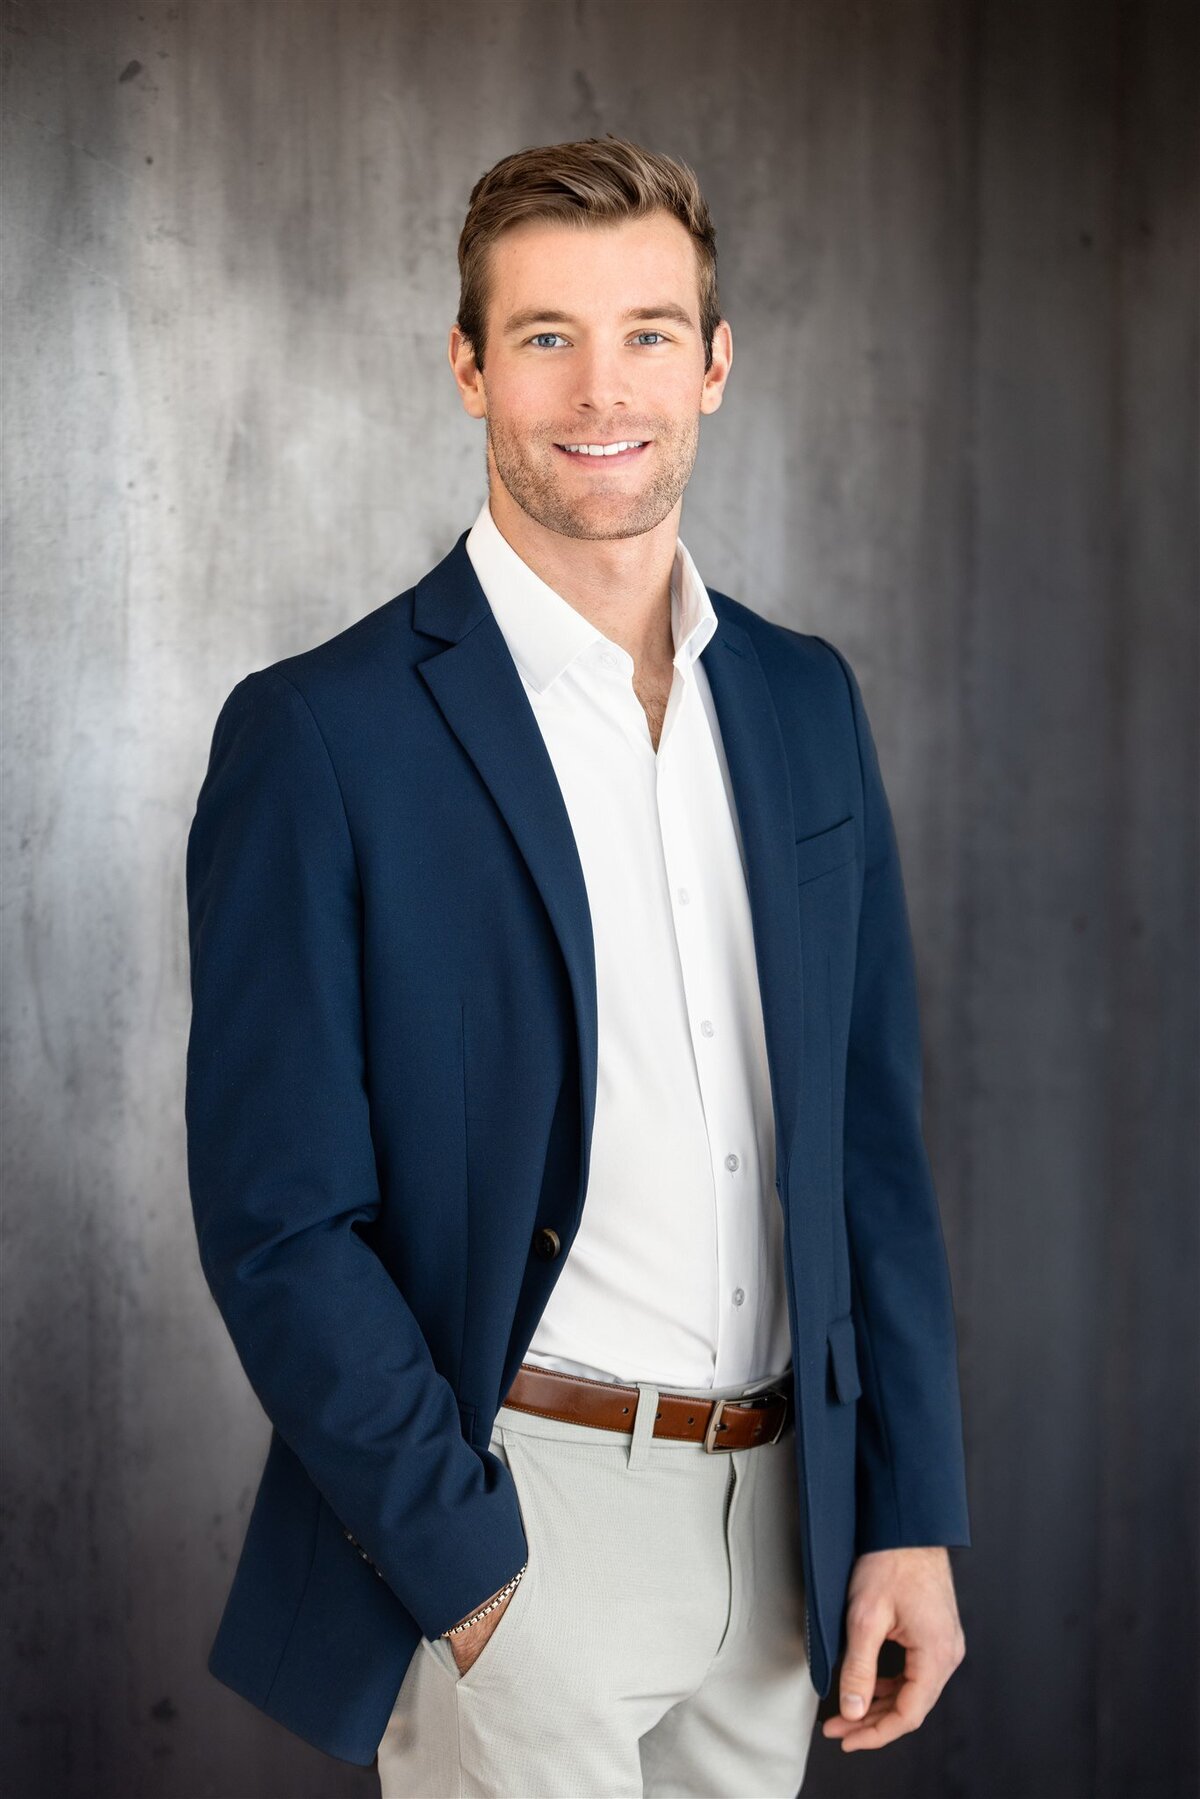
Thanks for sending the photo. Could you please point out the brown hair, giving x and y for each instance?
(591, 181)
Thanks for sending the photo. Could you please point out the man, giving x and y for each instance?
(561, 878)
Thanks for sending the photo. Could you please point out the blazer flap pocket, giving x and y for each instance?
(818, 854)
(843, 1356)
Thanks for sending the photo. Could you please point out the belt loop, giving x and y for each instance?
(643, 1425)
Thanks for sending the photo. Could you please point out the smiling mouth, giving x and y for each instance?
(617, 454)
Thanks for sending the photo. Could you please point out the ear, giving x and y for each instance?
(712, 393)
(461, 353)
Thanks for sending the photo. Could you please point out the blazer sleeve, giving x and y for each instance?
(910, 1474)
(282, 1169)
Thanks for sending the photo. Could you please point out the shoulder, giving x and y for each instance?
(350, 675)
(356, 654)
(798, 665)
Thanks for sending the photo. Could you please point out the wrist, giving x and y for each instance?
(488, 1606)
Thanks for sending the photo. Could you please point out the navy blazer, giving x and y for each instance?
(391, 1079)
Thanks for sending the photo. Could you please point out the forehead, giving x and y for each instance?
(593, 268)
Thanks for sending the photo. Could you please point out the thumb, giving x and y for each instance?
(856, 1688)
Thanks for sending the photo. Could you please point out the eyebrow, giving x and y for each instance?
(531, 315)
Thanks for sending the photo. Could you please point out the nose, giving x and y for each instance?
(602, 379)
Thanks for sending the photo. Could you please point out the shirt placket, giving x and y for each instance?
(713, 1029)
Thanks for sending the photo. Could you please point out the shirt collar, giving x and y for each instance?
(544, 633)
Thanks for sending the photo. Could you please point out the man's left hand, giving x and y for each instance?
(903, 1596)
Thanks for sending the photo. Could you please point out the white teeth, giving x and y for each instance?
(600, 449)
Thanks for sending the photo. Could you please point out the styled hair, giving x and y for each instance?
(593, 181)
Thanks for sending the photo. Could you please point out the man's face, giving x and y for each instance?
(593, 338)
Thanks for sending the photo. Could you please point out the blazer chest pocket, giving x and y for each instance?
(843, 1359)
(825, 851)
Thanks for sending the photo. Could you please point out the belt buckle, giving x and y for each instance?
(710, 1430)
(754, 1399)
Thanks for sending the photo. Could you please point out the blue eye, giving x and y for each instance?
(544, 334)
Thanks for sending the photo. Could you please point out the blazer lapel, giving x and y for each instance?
(762, 788)
(479, 690)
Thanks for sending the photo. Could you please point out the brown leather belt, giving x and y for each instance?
(578, 1399)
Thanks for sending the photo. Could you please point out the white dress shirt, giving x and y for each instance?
(676, 1273)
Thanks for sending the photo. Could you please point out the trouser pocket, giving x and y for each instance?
(506, 1633)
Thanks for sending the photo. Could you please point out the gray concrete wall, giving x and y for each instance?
(958, 250)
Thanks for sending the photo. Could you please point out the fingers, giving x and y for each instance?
(885, 1692)
(902, 1705)
(909, 1709)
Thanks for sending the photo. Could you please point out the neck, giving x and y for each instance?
(621, 585)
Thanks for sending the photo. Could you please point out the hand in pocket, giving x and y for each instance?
(467, 1645)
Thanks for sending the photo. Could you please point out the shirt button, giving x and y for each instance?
(706, 1029)
(731, 1162)
(738, 1296)
(684, 896)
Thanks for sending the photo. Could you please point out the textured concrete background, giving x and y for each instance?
(957, 248)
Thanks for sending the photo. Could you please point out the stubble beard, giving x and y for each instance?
(531, 480)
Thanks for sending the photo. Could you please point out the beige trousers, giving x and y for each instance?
(655, 1645)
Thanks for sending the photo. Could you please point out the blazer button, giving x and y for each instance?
(546, 1243)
